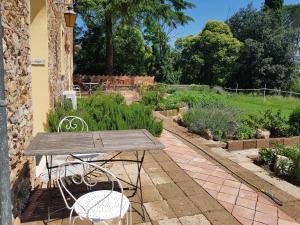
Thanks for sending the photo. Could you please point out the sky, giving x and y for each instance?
(214, 10)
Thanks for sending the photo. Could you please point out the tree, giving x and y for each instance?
(273, 4)
(268, 54)
(209, 57)
(109, 13)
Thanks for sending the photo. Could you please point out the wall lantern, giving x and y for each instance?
(70, 17)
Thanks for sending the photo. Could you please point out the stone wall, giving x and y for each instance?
(59, 36)
(15, 21)
(18, 83)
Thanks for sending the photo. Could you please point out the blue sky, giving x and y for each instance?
(214, 10)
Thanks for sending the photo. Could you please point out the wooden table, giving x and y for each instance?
(115, 142)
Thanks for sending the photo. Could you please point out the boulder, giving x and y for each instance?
(283, 165)
(262, 134)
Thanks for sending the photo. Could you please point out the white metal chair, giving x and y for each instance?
(72, 123)
(97, 206)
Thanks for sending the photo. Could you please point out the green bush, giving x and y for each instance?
(294, 121)
(220, 120)
(108, 112)
(276, 123)
(244, 131)
(151, 98)
(266, 156)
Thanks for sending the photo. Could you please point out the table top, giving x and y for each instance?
(66, 143)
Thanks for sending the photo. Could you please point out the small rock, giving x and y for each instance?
(262, 134)
(178, 119)
(283, 165)
(206, 133)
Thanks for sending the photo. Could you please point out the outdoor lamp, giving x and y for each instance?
(70, 17)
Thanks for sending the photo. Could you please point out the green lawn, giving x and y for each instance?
(250, 104)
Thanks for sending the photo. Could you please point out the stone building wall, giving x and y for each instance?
(17, 69)
(59, 37)
(18, 84)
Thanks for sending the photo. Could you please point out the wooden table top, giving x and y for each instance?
(66, 143)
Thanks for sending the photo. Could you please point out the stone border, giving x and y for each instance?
(261, 143)
(173, 112)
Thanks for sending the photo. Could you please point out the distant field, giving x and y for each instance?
(250, 104)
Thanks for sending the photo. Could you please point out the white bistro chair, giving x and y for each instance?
(97, 206)
(71, 123)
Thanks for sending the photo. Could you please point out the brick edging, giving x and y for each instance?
(261, 143)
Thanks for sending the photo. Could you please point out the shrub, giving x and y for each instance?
(294, 121)
(276, 123)
(244, 131)
(107, 112)
(266, 156)
(220, 120)
(151, 98)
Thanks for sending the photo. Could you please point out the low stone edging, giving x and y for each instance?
(261, 143)
(173, 112)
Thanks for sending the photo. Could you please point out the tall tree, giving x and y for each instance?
(113, 12)
(273, 4)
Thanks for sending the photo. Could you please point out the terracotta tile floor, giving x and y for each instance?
(181, 187)
(244, 203)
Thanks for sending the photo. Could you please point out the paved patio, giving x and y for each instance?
(182, 187)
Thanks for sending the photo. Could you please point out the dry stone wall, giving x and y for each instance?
(17, 69)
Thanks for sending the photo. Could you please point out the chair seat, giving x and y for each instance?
(107, 209)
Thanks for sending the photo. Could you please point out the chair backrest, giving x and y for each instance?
(83, 173)
(72, 123)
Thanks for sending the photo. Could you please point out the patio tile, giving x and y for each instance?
(284, 216)
(227, 206)
(205, 202)
(179, 176)
(151, 194)
(239, 211)
(268, 209)
(286, 222)
(245, 187)
(152, 167)
(169, 166)
(248, 194)
(200, 182)
(173, 221)
(230, 177)
(258, 223)
(226, 198)
(264, 200)
(221, 217)
(247, 203)
(159, 177)
(169, 190)
(212, 186)
(229, 190)
(265, 218)
(216, 180)
(194, 220)
(183, 206)
(190, 187)
(231, 183)
(244, 221)
(220, 174)
(159, 210)
(148, 223)
(212, 193)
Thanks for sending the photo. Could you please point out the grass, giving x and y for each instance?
(250, 104)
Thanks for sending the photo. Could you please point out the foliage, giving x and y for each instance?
(220, 120)
(266, 156)
(244, 131)
(273, 4)
(294, 121)
(151, 98)
(190, 98)
(209, 57)
(296, 85)
(268, 53)
(108, 15)
(276, 123)
(108, 112)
